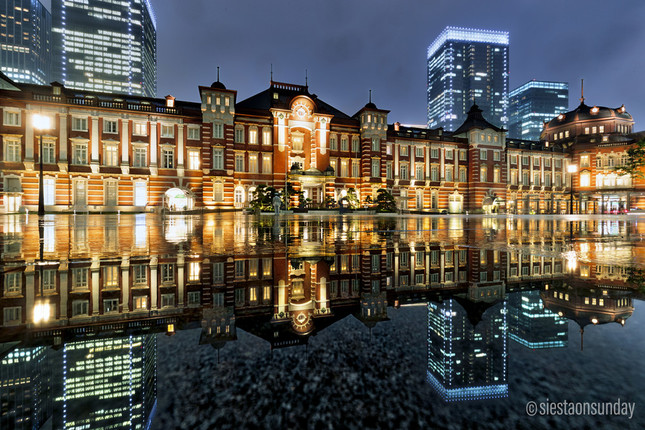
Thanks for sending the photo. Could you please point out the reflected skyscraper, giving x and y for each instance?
(533, 325)
(467, 66)
(108, 383)
(25, 389)
(467, 350)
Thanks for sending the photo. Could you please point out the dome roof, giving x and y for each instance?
(370, 105)
(217, 85)
(584, 112)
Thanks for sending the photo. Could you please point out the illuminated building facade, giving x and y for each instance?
(467, 66)
(25, 389)
(534, 326)
(467, 350)
(25, 41)
(108, 383)
(105, 46)
(597, 139)
(534, 103)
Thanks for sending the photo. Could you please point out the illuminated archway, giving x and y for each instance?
(178, 199)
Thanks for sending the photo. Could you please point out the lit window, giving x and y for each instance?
(140, 129)
(483, 154)
(49, 152)
(403, 174)
(267, 165)
(167, 158)
(355, 144)
(434, 152)
(12, 150)
(333, 145)
(344, 143)
(449, 154)
(585, 179)
(253, 163)
(253, 136)
(266, 136)
(404, 150)
(80, 153)
(218, 192)
(483, 174)
(193, 159)
(193, 271)
(376, 144)
(376, 168)
(140, 155)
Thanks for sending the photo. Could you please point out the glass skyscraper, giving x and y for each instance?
(533, 103)
(533, 325)
(467, 66)
(467, 360)
(25, 41)
(106, 46)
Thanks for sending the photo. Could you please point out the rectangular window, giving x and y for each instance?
(403, 150)
(167, 300)
(253, 136)
(462, 155)
(483, 174)
(218, 272)
(267, 164)
(167, 130)
(79, 278)
(355, 169)
(333, 143)
(194, 298)
(601, 129)
(110, 126)
(193, 133)
(266, 136)
(140, 129)
(419, 172)
(12, 150)
(496, 175)
(111, 155)
(12, 283)
(267, 267)
(140, 156)
(218, 192)
(253, 163)
(239, 268)
(49, 152)
(449, 177)
(525, 178)
(536, 178)
(111, 276)
(355, 144)
(434, 173)
(558, 163)
(376, 144)
(449, 154)
(404, 172)
(483, 154)
(376, 168)
(218, 131)
(536, 161)
(496, 156)
(80, 307)
(80, 153)
(462, 174)
(547, 180)
(525, 160)
(140, 194)
(419, 151)
(140, 274)
(344, 143)
(404, 259)
(167, 273)
(79, 124)
(12, 118)
(584, 161)
(193, 271)
(140, 302)
(193, 159)
(167, 158)
(218, 159)
(388, 170)
(110, 305)
(239, 162)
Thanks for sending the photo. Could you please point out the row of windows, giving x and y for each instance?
(11, 118)
(536, 179)
(536, 161)
(253, 135)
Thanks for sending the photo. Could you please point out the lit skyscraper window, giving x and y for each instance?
(533, 103)
(105, 46)
(25, 41)
(467, 66)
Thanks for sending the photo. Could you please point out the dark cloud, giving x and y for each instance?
(351, 46)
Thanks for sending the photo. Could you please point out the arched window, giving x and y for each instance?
(239, 197)
(585, 179)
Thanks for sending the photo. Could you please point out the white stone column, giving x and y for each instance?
(180, 280)
(153, 143)
(94, 286)
(94, 136)
(29, 139)
(125, 284)
(154, 294)
(125, 140)
(64, 295)
(180, 145)
(62, 141)
(29, 294)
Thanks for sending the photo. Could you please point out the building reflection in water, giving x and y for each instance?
(100, 287)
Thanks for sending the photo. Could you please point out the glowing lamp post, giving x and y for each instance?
(41, 123)
(571, 168)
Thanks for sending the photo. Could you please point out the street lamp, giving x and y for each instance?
(571, 168)
(41, 123)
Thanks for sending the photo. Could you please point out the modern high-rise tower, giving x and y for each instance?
(467, 66)
(533, 103)
(105, 49)
(25, 39)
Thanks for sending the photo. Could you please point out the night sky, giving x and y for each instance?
(351, 46)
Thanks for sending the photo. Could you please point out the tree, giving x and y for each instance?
(263, 198)
(352, 199)
(635, 164)
(385, 201)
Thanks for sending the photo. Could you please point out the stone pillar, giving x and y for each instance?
(154, 294)
(125, 284)
(94, 286)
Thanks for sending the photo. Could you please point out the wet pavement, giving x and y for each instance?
(322, 321)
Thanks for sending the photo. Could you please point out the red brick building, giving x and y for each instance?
(109, 152)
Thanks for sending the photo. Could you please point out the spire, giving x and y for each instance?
(582, 91)
(271, 72)
(370, 96)
(582, 332)
(306, 79)
(218, 73)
